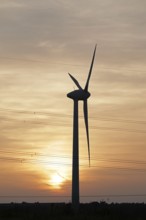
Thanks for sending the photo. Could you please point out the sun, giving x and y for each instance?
(56, 181)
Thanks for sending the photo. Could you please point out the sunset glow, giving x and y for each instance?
(56, 181)
(41, 42)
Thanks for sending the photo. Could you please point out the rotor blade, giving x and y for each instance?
(86, 125)
(75, 81)
(90, 71)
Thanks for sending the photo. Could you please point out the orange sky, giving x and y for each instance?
(40, 43)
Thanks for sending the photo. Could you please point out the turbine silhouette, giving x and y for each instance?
(79, 95)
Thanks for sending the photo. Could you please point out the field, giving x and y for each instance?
(54, 211)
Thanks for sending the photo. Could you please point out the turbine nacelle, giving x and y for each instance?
(79, 94)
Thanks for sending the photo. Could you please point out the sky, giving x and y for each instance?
(40, 42)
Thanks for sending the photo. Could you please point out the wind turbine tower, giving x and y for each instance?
(79, 95)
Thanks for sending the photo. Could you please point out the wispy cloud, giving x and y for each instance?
(6, 4)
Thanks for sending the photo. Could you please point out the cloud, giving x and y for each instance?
(39, 28)
(8, 4)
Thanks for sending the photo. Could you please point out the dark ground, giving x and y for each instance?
(53, 211)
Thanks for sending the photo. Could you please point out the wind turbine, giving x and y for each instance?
(79, 95)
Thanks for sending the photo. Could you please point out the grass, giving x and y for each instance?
(62, 211)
